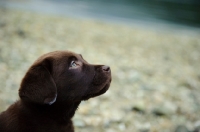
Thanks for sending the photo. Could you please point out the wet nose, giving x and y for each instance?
(106, 68)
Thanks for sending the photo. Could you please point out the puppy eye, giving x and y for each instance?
(73, 64)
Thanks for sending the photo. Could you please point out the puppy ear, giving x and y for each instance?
(38, 85)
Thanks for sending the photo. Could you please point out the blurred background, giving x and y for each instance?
(152, 47)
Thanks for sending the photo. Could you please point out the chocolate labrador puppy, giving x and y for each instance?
(51, 91)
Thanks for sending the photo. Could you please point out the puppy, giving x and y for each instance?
(51, 91)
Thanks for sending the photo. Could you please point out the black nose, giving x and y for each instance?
(106, 68)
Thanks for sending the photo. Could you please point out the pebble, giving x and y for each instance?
(181, 128)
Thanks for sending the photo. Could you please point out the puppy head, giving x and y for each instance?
(63, 76)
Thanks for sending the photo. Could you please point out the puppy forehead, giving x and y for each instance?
(60, 55)
(57, 57)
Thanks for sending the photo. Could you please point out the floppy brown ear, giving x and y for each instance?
(38, 85)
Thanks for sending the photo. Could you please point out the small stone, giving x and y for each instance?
(159, 112)
(197, 129)
(79, 123)
(122, 127)
(2, 24)
(21, 33)
(197, 126)
(181, 128)
(138, 109)
(144, 130)
(165, 109)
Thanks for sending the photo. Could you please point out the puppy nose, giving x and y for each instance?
(106, 68)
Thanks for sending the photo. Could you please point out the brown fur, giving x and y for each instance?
(51, 91)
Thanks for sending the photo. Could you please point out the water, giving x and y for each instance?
(135, 13)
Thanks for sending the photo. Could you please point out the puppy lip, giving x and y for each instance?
(100, 92)
(105, 88)
(107, 78)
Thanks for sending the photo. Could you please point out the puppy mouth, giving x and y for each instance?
(102, 91)
(99, 85)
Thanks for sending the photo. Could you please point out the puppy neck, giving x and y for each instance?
(60, 111)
